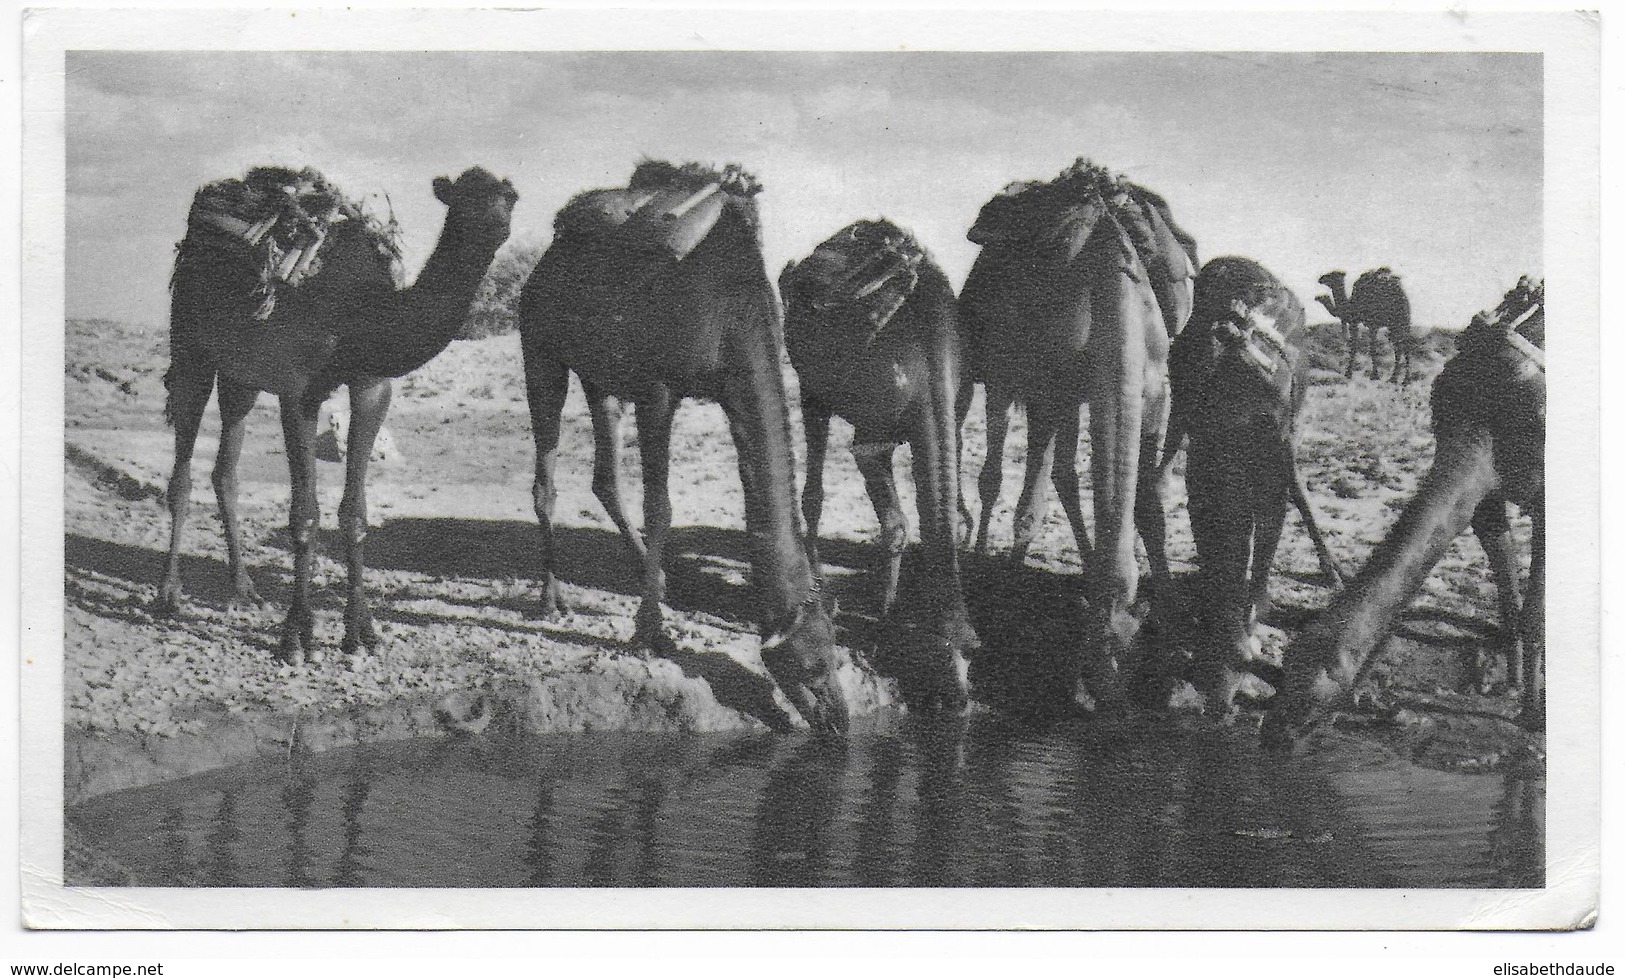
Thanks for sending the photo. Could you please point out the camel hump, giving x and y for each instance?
(867, 270)
(277, 219)
(664, 210)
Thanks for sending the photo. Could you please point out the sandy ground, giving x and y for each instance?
(452, 556)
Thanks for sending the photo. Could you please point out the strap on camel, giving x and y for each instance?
(1243, 329)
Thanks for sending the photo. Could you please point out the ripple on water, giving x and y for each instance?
(983, 801)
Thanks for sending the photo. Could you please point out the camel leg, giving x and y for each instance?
(1300, 500)
(1064, 473)
(190, 382)
(654, 446)
(875, 461)
(369, 404)
(299, 416)
(547, 383)
(1351, 340)
(815, 422)
(1116, 388)
(1222, 491)
(1269, 518)
(606, 464)
(1042, 421)
(963, 393)
(1534, 631)
(991, 478)
(235, 402)
(1150, 517)
(943, 672)
(1494, 534)
(1376, 371)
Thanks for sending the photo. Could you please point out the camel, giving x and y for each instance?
(1378, 303)
(1489, 416)
(612, 301)
(1060, 310)
(1239, 382)
(874, 338)
(347, 324)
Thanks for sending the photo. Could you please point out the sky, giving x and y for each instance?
(1428, 163)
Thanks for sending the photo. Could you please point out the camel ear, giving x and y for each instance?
(442, 190)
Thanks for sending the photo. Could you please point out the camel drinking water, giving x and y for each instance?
(233, 328)
(648, 295)
(1489, 417)
(1239, 383)
(1060, 311)
(873, 335)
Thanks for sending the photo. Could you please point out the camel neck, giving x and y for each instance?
(434, 308)
(1344, 636)
(755, 400)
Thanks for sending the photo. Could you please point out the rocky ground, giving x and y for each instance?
(451, 560)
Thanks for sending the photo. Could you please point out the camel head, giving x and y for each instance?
(801, 658)
(1337, 282)
(479, 207)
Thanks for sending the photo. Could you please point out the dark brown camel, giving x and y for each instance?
(1489, 415)
(1239, 383)
(345, 325)
(647, 327)
(1060, 310)
(874, 338)
(1378, 303)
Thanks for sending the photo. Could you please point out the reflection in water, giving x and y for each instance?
(220, 862)
(298, 792)
(349, 870)
(986, 801)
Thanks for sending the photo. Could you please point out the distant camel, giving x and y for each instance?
(874, 338)
(1060, 310)
(347, 324)
(1489, 413)
(1378, 303)
(650, 327)
(1239, 382)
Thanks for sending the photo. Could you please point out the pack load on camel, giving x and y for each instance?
(664, 209)
(281, 217)
(1051, 221)
(868, 267)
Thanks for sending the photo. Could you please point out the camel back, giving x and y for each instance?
(1497, 379)
(277, 220)
(1053, 221)
(866, 271)
(664, 210)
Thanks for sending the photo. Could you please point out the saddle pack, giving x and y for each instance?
(280, 218)
(1057, 217)
(867, 270)
(664, 210)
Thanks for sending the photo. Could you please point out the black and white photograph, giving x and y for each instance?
(722, 470)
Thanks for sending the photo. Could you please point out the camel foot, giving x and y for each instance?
(653, 641)
(244, 596)
(1533, 718)
(1298, 711)
(822, 703)
(940, 684)
(171, 601)
(360, 636)
(299, 639)
(553, 605)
